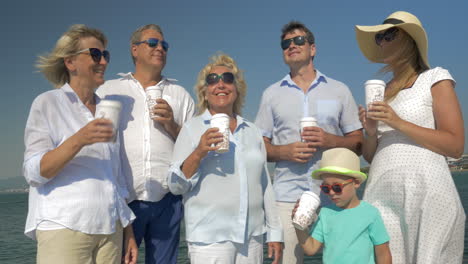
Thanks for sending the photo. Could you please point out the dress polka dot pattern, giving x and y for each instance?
(412, 186)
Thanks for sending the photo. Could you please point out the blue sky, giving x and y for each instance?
(247, 30)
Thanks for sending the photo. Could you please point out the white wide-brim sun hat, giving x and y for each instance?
(341, 161)
(408, 22)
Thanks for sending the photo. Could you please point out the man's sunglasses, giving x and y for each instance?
(214, 78)
(336, 187)
(96, 54)
(388, 35)
(153, 42)
(299, 41)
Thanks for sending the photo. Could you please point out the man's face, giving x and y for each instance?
(150, 56)
(297, 53)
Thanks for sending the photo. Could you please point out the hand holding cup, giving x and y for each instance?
(304, 212)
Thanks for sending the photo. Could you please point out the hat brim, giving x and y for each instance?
(317, 174)
(365, 36)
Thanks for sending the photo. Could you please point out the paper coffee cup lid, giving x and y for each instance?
(110, 103)
(308, 119)
(380, 82)
(153, 88)
(219, 116)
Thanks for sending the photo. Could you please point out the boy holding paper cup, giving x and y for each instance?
(353, 230)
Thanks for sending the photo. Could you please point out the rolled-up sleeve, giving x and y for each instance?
(38, 142)
(176, 180)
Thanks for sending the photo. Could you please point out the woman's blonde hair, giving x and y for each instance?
(239, 82)
(405, 67)
(52, 65)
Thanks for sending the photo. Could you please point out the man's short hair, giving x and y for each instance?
(293, 25)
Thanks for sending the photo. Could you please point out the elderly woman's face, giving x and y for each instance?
(87, 68)
(221, 92)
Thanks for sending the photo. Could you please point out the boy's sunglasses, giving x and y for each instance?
(153, 42)
(388, 35)
(97, 54)
(336, 187)
(214, 78)
(299, 41)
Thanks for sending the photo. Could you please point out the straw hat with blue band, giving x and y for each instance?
(340, 161)
(365, 35)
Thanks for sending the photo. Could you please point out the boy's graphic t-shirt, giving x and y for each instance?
(349, 235)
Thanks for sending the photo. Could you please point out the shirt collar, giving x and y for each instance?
(68, 90)
(319, 78)
(74, 99)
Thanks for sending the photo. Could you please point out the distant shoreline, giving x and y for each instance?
(26, 189)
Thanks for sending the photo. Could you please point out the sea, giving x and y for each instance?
(16, 248)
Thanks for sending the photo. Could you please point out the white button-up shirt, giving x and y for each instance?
(88, 194)
(146, 145)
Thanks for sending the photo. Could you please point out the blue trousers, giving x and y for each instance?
(158, 223)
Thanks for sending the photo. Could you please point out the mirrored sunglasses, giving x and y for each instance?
(388, 35)
(299, 41)
(336, 187)
(214, 78)
(96, 54)
(153, 42)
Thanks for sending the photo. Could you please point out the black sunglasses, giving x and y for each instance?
(153, 42)
(97, 54)
(214, 78)
(299, 40)
(388, 35)
(336, 187)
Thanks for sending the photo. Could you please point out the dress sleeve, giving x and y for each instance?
(440, 74)
(38, 141)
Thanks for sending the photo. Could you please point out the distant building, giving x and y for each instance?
(458, 164)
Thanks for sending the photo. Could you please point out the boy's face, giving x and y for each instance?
(347, 198)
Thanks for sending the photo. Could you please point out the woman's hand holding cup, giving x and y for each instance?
(368, 124)
(98, 130)
(208, 142)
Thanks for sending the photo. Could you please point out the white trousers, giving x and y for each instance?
(227, 252)
(292, 251)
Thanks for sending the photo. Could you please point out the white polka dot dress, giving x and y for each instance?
(412, 186)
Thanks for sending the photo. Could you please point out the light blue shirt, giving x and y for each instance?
(230, 197)
(349, 235)
(283, 105)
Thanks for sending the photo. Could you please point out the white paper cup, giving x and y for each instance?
(307, 122)
(306, 212)
(221, 121)
(152, 93)
(109, 109)
(375, 91)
